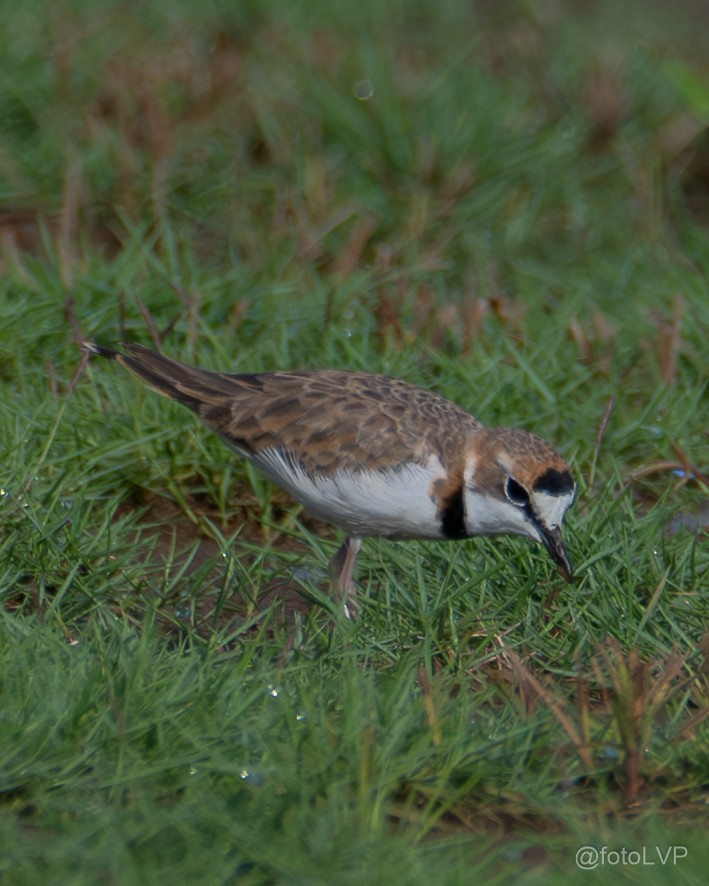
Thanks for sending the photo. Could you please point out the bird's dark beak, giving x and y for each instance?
(553, 542)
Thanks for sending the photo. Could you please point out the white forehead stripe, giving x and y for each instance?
(551, 508)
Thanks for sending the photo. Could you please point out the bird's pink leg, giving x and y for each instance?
(341, 570)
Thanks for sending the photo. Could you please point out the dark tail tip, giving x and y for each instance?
(93, 349)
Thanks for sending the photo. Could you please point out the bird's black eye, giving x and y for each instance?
(516, 493)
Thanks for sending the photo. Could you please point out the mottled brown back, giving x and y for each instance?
(327, 419)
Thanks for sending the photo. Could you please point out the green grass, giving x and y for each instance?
(512, 218)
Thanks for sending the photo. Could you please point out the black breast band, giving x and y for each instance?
(453, 515)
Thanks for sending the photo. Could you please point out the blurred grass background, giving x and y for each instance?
(506, 202)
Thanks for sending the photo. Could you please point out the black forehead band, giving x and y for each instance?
(554, 482)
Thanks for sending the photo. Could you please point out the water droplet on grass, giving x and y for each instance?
(250, 776)
(363, 90)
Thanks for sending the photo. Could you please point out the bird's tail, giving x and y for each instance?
(196, 388)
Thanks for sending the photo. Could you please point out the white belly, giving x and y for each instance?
(390, 502)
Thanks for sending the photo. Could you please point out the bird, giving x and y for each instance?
(373, 455)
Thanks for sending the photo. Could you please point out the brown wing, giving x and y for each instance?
(327, 419)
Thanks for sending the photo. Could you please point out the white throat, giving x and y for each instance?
(486, 515)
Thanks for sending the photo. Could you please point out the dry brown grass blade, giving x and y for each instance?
(69, 222)
(350, 256)
(474, 312)
(687, 731)
(525, 676)
(191, 300)
(83, 363)
(628, 677)
(689, 468)
(684, 464)
(661, 689)
(605, 418)
(594, 341)
(387, 313)
(658, 467)
(578, 335)
(70, 314)
(79, 337)
(583, 705)
(604, 103)
(669, 335)
(429, 706)
(150, 323)
(640, 690)
(51, 377)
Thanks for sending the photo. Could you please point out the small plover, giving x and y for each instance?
(374, 455)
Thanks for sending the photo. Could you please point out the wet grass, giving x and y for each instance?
(500, 202)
